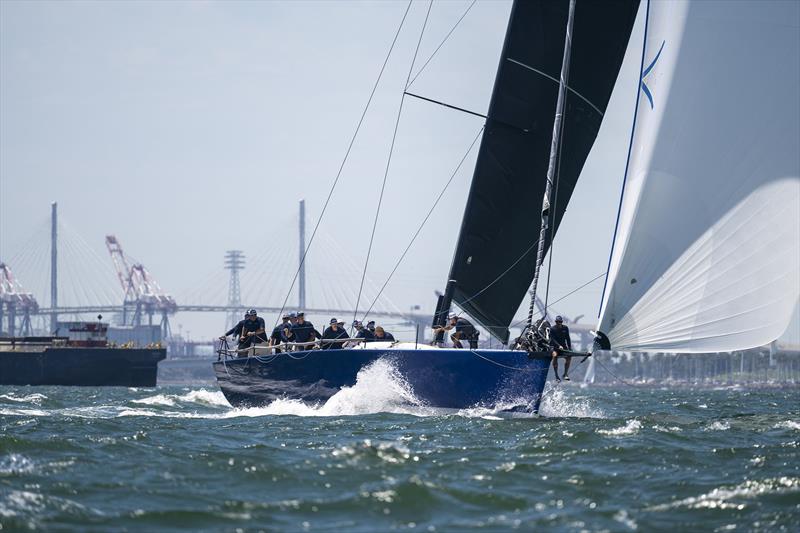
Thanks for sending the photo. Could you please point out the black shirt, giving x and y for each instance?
(340, 333)
(387, 337)
(466, 328)
(277, 331)
(559, 336)
(305, 332)
(247, 325)
(365, 334)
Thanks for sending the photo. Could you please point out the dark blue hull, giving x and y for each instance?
(446, 378)
(87, 367)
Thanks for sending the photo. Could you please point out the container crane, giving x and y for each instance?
(143, 294)
(14, 299)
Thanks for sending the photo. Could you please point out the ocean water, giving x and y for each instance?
(373, 459)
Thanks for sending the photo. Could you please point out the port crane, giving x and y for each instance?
(14, 299)
(143, 294)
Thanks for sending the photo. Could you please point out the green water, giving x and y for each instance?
(181, 459)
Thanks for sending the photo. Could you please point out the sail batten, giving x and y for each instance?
(502, 215)
(707, 255)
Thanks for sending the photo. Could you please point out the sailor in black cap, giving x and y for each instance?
(371, 326)
(362, 332)
(275, 337)
(560, 342)
(250, 330)
(333, 332)
(304, 331)
(236, 330)
(286, 331)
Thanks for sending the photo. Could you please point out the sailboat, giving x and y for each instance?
(706, 251)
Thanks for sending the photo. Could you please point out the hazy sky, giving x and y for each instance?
(191, 128)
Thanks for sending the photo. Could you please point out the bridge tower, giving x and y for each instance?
(301, 287)
(54, 266)
(234, 261)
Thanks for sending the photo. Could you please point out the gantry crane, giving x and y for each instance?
(143, 295)
(14, 299)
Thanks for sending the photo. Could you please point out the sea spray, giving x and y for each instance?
(379, 388)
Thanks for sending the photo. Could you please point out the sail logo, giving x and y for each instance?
(646, 71)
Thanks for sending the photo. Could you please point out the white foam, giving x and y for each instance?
(35, 398)
(15, 463)
(205, 397)
(201, 396)
(23, 412)
(557, 404)
(158, 399)
(788, 424)
(379, 388)
(719, 426)
(631, 427)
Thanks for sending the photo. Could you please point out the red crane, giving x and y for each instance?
(142, 291)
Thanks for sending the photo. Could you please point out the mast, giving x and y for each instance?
(301, 287)
(554, 153)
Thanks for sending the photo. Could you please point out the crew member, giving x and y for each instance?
(250, 331)
(464, 330)
(362, 332)
(286, 329)
(371, 326)
(381, 335)
(275, 337)
(304, 331)
(332, 332)
(236, 330)
(560, 341)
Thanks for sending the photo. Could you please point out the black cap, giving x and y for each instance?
(334, 321)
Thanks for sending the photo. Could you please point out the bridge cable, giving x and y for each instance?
(344, 160)
(389, 161)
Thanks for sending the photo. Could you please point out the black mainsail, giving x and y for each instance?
(502, 216)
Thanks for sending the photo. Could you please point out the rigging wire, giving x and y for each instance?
(440, 45)
(344, 160)
(555, 209)
(570, 293)
(425, 220)
(389, 161)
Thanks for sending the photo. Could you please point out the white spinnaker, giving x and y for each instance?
(707, 252)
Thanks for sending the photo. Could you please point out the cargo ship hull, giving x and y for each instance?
(79, 366)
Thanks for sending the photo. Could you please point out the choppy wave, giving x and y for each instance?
(35, 398)
(735, 497)
(631, 427)
(379, 388)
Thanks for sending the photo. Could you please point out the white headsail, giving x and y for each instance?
(706, 255)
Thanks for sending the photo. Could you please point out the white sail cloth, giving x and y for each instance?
(706, 255)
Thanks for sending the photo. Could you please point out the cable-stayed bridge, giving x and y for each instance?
(82, 282)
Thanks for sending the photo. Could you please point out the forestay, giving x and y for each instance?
(707, 250)
(502, 216)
